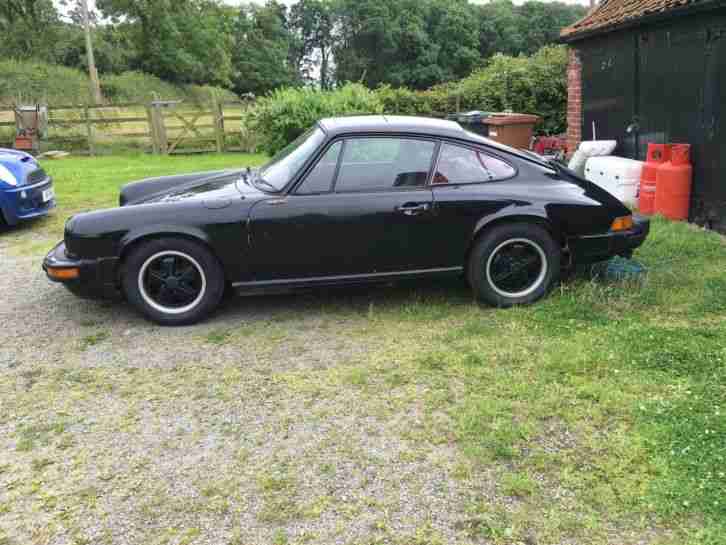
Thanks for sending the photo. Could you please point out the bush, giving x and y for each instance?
(403, 101)
(536, 84)
(283, 115)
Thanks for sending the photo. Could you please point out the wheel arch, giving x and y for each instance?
(535, 218)
(133, 240)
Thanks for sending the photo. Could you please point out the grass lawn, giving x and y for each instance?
(597, 416)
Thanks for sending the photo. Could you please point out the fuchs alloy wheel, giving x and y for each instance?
(514, 264)
(173, 281)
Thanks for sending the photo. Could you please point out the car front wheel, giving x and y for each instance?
(173, 281)
(514, 264)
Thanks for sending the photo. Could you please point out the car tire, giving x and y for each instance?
(173, 281)
(514, 264)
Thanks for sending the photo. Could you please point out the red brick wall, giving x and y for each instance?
(574, 101)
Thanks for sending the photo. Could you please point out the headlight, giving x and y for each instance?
(8, 177)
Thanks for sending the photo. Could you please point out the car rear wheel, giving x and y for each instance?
(514, 264)
(173, 281)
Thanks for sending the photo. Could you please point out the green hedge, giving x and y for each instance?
(283, 115)
(536, 84)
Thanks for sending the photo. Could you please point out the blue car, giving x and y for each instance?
(26, 191)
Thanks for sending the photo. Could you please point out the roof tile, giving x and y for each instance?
(611, 13)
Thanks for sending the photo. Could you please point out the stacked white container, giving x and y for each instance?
(617, 175)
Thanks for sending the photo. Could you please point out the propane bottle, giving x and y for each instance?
(657, 154)
(673, 184)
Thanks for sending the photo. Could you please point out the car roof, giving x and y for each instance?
(392, 124)
(335, 126)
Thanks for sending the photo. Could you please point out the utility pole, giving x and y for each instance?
(92, 72)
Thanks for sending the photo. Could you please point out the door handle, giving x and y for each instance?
(413, 209)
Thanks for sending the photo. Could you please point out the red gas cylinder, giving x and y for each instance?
(657, 154)
(673, 184)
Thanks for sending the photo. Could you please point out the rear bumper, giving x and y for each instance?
(26, 202)
(593, 248)
(95, 277)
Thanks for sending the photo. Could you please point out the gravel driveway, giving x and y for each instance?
(268, 424)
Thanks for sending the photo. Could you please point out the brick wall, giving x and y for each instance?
(574, 101)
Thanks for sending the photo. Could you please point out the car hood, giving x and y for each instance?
(212, 188)
(15, 167)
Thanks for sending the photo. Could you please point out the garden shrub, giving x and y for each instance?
(536, 84)
(280, 117)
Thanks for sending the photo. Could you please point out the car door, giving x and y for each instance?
(364, 208)
(466, 189)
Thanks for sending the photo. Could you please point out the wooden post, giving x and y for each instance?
(157, 117)
(152, 130)
(218, 112)
(89, 130)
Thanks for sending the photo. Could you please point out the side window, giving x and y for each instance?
(320, 178)
(459, 165)
(371, 164)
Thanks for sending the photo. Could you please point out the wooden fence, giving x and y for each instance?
(160, 127)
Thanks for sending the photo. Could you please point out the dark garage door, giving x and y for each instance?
(608, 91)
(671, 81)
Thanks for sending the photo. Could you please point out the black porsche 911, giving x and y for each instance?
(352, 200)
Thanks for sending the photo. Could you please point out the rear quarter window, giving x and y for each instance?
(460, 165)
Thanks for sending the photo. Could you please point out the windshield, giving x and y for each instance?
(283, 166)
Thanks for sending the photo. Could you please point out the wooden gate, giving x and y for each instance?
(172, 125)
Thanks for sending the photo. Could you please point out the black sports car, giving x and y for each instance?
(358, 199)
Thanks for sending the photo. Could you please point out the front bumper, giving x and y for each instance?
(26, 202)
(94, 278)
(593, 248)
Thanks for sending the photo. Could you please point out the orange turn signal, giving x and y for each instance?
(623, 223)
(64, 273)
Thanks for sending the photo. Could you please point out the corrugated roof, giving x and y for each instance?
(612, 13)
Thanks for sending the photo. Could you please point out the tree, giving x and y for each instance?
(264, 50)
(183, 41)
(114, 47)
(414, 43)
(544, 22)
(513, 30)
(29, 28)
(313, 23)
